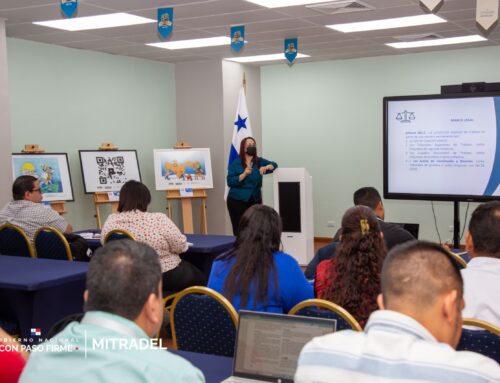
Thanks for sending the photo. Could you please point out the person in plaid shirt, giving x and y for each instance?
(26, 210)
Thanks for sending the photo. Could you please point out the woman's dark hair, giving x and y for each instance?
(358, 264)
(256, 159)
(134, 195)
(259, 237)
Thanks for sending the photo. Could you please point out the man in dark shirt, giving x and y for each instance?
(394, 234)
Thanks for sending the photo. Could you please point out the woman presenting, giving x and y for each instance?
(244, 178)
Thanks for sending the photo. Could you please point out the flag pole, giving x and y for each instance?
(244, 83)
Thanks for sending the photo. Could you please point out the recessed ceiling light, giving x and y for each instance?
(286, 3)
(436, 42)
(194, 43)
(95, 22)
(271, 57)
(398, 22)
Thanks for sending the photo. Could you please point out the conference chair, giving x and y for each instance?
(325, 309)
(117, 234)
(203, 321)
(459, 261)
(50, 243)
(14, 241)
(10, 327)
(62, 323)
(485, 341)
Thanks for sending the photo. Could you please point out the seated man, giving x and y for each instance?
(27, 211)
(482, 275)
(412, 338)
(123, 311)
(393, 233)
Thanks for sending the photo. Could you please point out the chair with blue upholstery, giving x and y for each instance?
(485, 341)
(203, 321)
(14, 241)
(325, 309)
(50, 243)
(117, 234)
(459, 261)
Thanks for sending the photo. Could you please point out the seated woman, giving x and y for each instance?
(352, 278)
(158, 231)
(255, 274)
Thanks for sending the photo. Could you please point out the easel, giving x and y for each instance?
(57, 206)
(102, 198)
(187, 203)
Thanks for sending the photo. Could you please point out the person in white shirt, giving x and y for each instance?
(414, 335)
(482, 274)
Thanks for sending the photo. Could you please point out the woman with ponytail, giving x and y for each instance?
(255, 274)
(352, 278)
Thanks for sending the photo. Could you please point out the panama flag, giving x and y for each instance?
(242, 129)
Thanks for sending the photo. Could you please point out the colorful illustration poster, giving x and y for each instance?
(51, 169)
(183, 168)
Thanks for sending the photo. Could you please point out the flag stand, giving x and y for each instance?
(58, 206)
(187, 203)
(102, 198)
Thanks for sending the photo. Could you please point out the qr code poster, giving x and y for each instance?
(107, 170)
(51, 169)
(183, 168)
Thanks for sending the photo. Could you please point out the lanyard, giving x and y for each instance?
(110, 325)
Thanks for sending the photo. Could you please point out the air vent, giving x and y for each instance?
(419, 37)
(343, 6)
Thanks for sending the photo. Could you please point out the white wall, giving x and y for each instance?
(69, 99)
(327, 116)
(5, 170)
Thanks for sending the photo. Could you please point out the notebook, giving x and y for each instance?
(268, 345)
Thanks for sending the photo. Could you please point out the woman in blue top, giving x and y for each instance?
(244, 178)
(254, 274)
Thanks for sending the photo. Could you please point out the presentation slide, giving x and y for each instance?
(444, 146)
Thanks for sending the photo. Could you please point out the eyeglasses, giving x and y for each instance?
(36, 190)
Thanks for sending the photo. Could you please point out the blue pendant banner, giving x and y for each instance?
(165, 21)
(69, 7)
(237, 38)
(291, 48)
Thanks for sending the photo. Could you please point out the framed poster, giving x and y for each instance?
(183, 168)
(51, 169)
(107, 170)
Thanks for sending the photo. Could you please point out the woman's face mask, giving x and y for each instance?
(251, 150)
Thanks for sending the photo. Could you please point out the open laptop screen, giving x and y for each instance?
(268, 345)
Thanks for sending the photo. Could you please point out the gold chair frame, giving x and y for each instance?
(482, 324)
(61, 237)
(206, 291)
(23, 234)
(327, 305)
(118, 231)
(456, 257)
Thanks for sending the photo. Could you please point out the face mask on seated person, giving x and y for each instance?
(251, 151)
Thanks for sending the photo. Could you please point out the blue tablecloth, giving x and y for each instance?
(36, 293)
(202, 254)
(215, 368)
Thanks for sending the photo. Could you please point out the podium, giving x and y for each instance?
(293, 200)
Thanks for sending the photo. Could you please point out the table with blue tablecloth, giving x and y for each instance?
(215, 368)
(39, 292)
(202, 253)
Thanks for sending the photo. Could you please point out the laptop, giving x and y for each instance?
(412, 228)
(268, 345)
